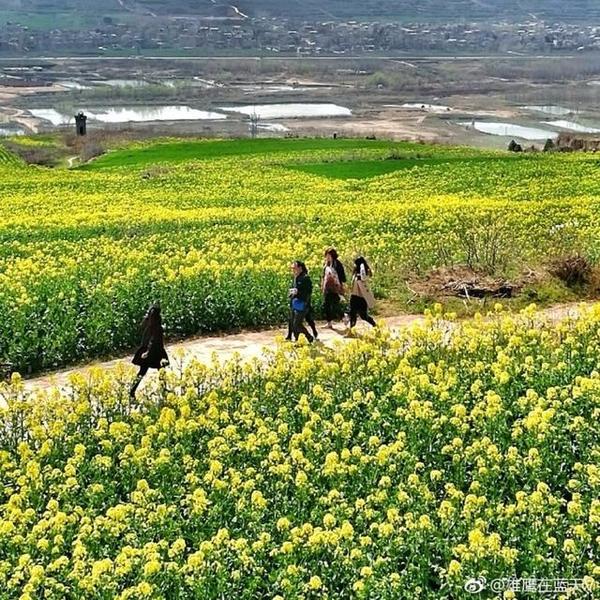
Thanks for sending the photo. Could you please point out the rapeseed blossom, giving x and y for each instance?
(83, 253)
(397, 485)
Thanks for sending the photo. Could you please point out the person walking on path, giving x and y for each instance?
(300, 296)
(334, 278)
(361, 296)
(151, 354)
(310, 321)
(309, 318)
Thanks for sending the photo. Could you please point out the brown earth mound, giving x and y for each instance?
(464, 282)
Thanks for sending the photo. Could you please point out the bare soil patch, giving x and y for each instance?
(464, 282)
(392, 124)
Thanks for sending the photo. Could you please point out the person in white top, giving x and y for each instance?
(361, 296)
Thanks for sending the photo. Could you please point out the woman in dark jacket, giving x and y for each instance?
(308, 313)
(334, 278)
(151, 354)
(300, 296)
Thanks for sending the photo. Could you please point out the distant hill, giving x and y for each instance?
(426, 9)
(408, 10)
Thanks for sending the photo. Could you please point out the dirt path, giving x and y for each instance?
(247, 344)
(251, 344)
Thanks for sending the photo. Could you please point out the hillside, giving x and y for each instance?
(425, 9)
(78, 12)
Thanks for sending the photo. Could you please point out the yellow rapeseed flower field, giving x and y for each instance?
(396, 467)
(85, 251)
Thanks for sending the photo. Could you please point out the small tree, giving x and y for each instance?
(486, 240)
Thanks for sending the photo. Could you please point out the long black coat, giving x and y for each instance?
(154, 344)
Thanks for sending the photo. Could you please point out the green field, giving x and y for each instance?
(177, 151)
(7, 158)
(72, 14)
(49, 16)
(365, 169)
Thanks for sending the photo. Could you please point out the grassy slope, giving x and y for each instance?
(365, 169)
(181, 151)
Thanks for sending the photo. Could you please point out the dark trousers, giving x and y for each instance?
(297, 325)
(309, 321)
(332, 306)
(359, 308)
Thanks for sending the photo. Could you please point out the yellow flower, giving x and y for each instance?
(435, 475)
(329, 521)
(301, 479)
(346, 530)
(366, 572)
(151, 568)
(196, 559)
(454, 568)
(177, 548)
(374, 441)
(258, 500)
(144, 588)
(425, 522)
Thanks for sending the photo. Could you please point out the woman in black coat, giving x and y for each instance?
(300, 296)
(308, 317)
(151, 354)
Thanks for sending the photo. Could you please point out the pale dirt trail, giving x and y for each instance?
(250, 345)
(247, 345)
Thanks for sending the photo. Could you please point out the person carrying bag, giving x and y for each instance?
(361, 297)
(334, 278)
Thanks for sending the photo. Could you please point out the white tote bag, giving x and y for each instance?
(366, 293)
